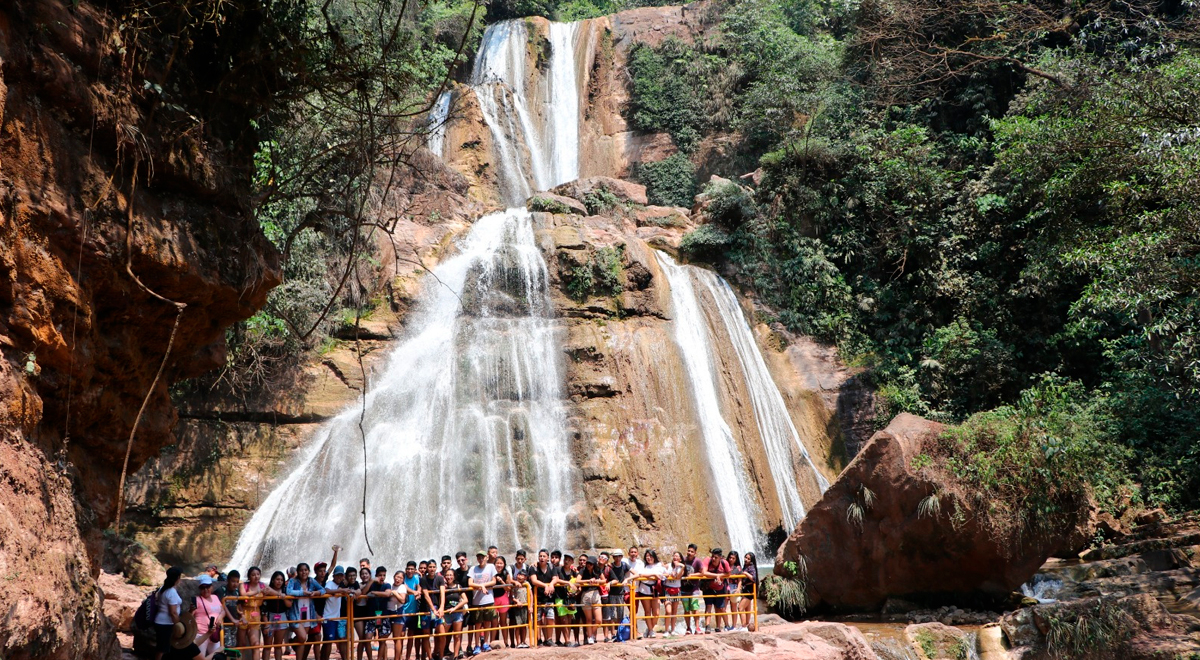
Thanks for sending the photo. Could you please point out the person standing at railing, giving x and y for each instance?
(566, 601)
(518, 614)
(649, 579)
(433, 592)
(454, 609)
(231, 610)
(167, 611)
(275, 609)
(393, 613)
(604, 562)
(377, 626)
(714, 568)
(411, 592)
(749, 586)
(591, 577)
(302, 616)
(482, 579)
(672, 588)
(695, 604)
(733, 586)
(542, 577)
(333, 629)
(618, 612)
(362, 614)
(207, 613)
(500, 598)
(252, 592)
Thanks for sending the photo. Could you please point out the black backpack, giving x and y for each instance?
(143, 618)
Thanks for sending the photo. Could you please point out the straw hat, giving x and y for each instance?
(184, 633)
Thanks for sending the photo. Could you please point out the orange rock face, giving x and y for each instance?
(80, 339)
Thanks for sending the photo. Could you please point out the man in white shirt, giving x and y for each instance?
(333, 627)
(481, 578)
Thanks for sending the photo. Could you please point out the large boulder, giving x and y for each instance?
(1133, 627)
(870, 537)
(624, 190)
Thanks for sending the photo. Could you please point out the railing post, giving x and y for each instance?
(754, 601)
(349, 626)
(531, 603)
(633, 629)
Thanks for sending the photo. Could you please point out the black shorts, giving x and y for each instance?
(162, 637)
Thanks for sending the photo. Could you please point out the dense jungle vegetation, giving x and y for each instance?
(993, 208)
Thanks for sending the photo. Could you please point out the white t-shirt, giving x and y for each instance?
(333, 604)
(482, 575)
(166, 599)
(646, 587)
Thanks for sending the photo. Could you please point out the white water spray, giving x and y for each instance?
(786, 455)
(466, 437)
(731, 480)
(436, 139)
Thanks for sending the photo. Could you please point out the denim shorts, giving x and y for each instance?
(454, 617)
(333, 630)
(276, 622)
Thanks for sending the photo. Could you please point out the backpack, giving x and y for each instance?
(143, 618)
(623, 630)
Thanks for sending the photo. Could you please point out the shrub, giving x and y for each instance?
(786, 595)
(546, 205)
(602, 275)
(669, 182)
(1031, 468)
(729, 204)
(704, 242)
(600, 200)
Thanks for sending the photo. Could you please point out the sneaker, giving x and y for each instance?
(522, 646)
(486, 648)
(572, 645)
(476, 651)
(591, 640)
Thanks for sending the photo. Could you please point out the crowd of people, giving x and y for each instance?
(448, 608)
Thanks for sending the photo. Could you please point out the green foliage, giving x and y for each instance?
(704, 242)
(786, 595)
(728, 204)
(547, 205)
(1100, 629)
(663, 97)
(669, 182)
(602, 275)
(600, 200)
(926, 642)
(1031, 467)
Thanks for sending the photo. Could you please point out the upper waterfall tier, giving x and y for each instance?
(533, 120)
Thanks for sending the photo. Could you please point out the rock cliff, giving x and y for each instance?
(876, 534)
(114, 203)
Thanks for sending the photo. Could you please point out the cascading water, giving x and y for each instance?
(786, 454)
(466, 437)
(731, 481)
(465, 432)
(534, 154)
(436, 139)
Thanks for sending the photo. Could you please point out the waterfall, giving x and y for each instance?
(786, 454)
(466, 437)
(731, 480)
(563, 104)
(537, 147)
(465, 430)
(436, 139)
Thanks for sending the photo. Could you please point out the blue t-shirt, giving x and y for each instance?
(410, 605)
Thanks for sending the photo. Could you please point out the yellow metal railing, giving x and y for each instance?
(532, 626)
